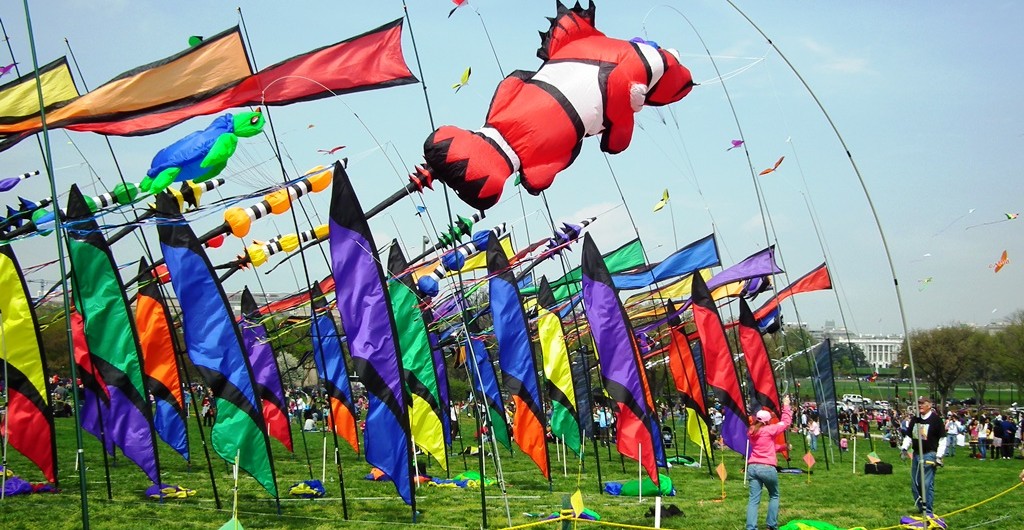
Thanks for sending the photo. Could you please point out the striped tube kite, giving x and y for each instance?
(330, 368)
(160, 362)
(565, 424)
(621, 367)
(372, 336)
(214, 345)
(265, 372)
(425, 408)
(719, 368)
(515, 356)
(111, 336)
(29, 425)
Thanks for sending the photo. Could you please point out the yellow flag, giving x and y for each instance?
(576, 501)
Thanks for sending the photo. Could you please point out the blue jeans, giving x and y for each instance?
(925, 505)
(950, 445)
(761, 475)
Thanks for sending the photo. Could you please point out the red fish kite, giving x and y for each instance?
(589, 84)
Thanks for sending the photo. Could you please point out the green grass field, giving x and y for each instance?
(836, 495)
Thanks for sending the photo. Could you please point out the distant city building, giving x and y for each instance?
(880, 351)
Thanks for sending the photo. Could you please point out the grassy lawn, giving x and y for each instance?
(836, 495)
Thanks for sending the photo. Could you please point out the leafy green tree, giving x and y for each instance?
(941, 356)
(787, 342)
(982, 366)
(1011, 362)
(849, 358)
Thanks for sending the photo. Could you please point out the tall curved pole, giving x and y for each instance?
(871, 205)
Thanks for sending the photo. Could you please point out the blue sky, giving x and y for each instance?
(925, 94)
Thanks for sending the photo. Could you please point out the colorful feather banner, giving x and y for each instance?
(816, 280)
(363, 305)
(682, 365)
(625, 380)
(719, 368)
(565, 421)
(515, 356)
(425, 408)
(111, 336)
(331, 369)
(265, 372)
(214, 345)
(29, 424)
(160, 363)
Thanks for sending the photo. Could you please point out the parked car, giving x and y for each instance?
(853, 398)
(882, 405)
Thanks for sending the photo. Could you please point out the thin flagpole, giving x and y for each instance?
(7, 401)
(59, 240)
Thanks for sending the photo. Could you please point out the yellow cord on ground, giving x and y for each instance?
(933, 525)
(578, 520)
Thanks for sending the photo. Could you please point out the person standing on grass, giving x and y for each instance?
(952, 429)
(762, 462)
(927, 433)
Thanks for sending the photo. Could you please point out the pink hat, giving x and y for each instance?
(763, 416)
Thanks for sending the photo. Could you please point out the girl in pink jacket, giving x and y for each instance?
(761, 472)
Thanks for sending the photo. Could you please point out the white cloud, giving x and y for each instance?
(834, 61)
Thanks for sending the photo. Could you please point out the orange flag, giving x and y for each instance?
(809, 460)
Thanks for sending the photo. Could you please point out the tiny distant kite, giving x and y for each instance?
(10, 182)
(924, 283)
(420, 210)
(1009, 217)
(464, 80)
(735, 144)
(664, 200)
(458, 4)
(310, 126)
(773, 168)
(5, 69)
(954, 221)
(1003, 260)
(331, 151)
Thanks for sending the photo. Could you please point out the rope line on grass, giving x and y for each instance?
(569, 517)
(954, 512)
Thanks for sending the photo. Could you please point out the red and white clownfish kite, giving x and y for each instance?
(589, 84)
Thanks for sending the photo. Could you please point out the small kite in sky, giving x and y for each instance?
(331, 151)
(773, 168)
(458, 4)
(924, 283)
(420, 210)
(1009, 217)
(464, 80)
(735, 144)
(664, 200)
(1003, 260)
(10, 182)
(195, 40)
(5, 69)
(310, 126)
